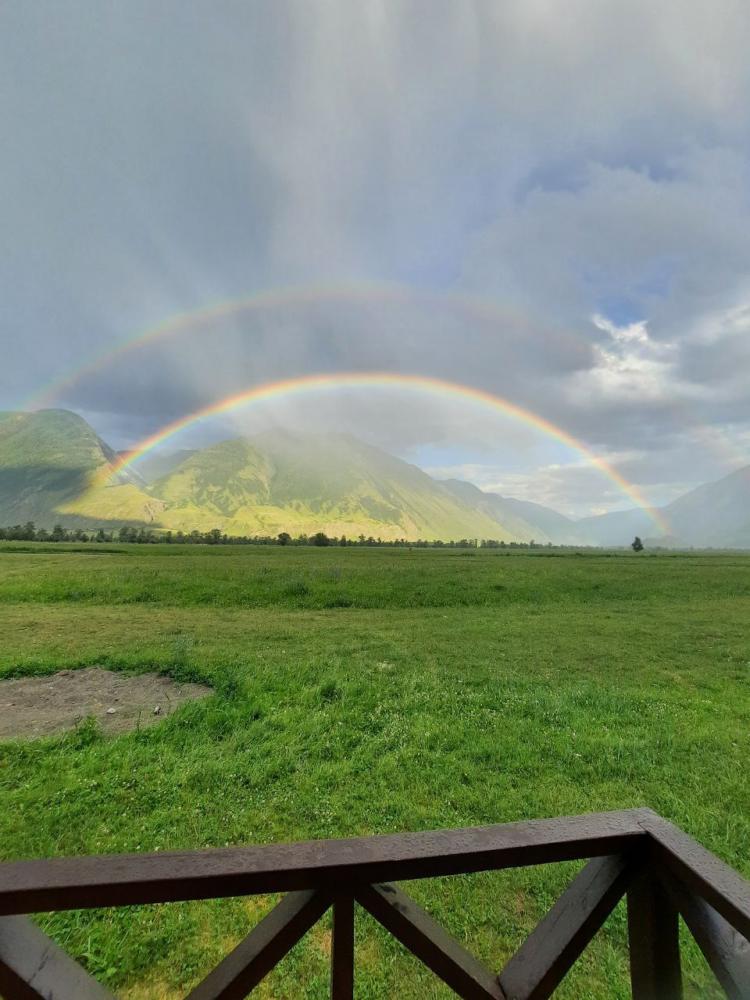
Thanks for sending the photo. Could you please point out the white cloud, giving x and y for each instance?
(631, 368)
(629, 332)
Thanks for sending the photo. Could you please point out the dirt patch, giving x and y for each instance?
(38, 706)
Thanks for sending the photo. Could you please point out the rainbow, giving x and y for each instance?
(482, 309)
(378, 380)
(474, 306)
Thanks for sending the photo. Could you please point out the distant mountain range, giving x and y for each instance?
(302, 483)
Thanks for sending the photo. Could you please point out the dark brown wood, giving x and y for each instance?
(441, 953)
(264, 947)
(655, 972)
(667, 871)
(342, 949)
(726, 951)
(547, 954)
(33, 967)
(117, 880)
(722, 887)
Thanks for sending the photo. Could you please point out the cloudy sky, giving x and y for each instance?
(547, 201)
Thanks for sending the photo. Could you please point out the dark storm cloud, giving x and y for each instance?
(585, 169)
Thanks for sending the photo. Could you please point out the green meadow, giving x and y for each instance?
(364, 691)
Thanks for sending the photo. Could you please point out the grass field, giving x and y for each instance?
(368, 691)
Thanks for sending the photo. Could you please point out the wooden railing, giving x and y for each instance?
(663, 872)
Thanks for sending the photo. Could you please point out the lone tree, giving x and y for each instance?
(636, 545)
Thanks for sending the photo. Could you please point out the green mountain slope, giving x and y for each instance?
(48, 462)
(304, 483)
(53, 468)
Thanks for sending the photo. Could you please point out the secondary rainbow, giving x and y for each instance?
(293, 296)
(379, 380)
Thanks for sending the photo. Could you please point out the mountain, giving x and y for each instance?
(50, 463)
(55, 468)
(527, 520)
(619, 527)
(557, 528)
(159, 464)
(715, 514)
(304, 483)
(712, 515)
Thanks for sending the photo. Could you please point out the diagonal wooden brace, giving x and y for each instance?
(440, 952)
(33, 967)
(264, 947)
(725, 949)
(548, 953)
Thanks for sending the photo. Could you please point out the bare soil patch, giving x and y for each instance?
(39, 706)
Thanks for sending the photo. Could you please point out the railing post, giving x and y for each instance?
(655, 972)
(342, 950)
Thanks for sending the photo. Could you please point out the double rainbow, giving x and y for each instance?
(473, 306)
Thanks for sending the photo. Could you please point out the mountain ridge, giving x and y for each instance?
(48, 462)
(334, 483)
(53, 469)
(712, 515)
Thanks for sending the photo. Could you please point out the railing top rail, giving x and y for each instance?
(116, 880)
(705, 874)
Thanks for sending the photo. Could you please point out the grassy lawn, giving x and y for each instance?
(368, 691)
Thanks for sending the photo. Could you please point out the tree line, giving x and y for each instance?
(29, 532)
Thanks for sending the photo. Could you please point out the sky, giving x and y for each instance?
(546, 201)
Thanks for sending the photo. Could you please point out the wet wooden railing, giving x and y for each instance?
(663, 872)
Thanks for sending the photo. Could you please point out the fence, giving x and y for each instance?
(634, 853)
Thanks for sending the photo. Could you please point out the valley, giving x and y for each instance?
(55, 469)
